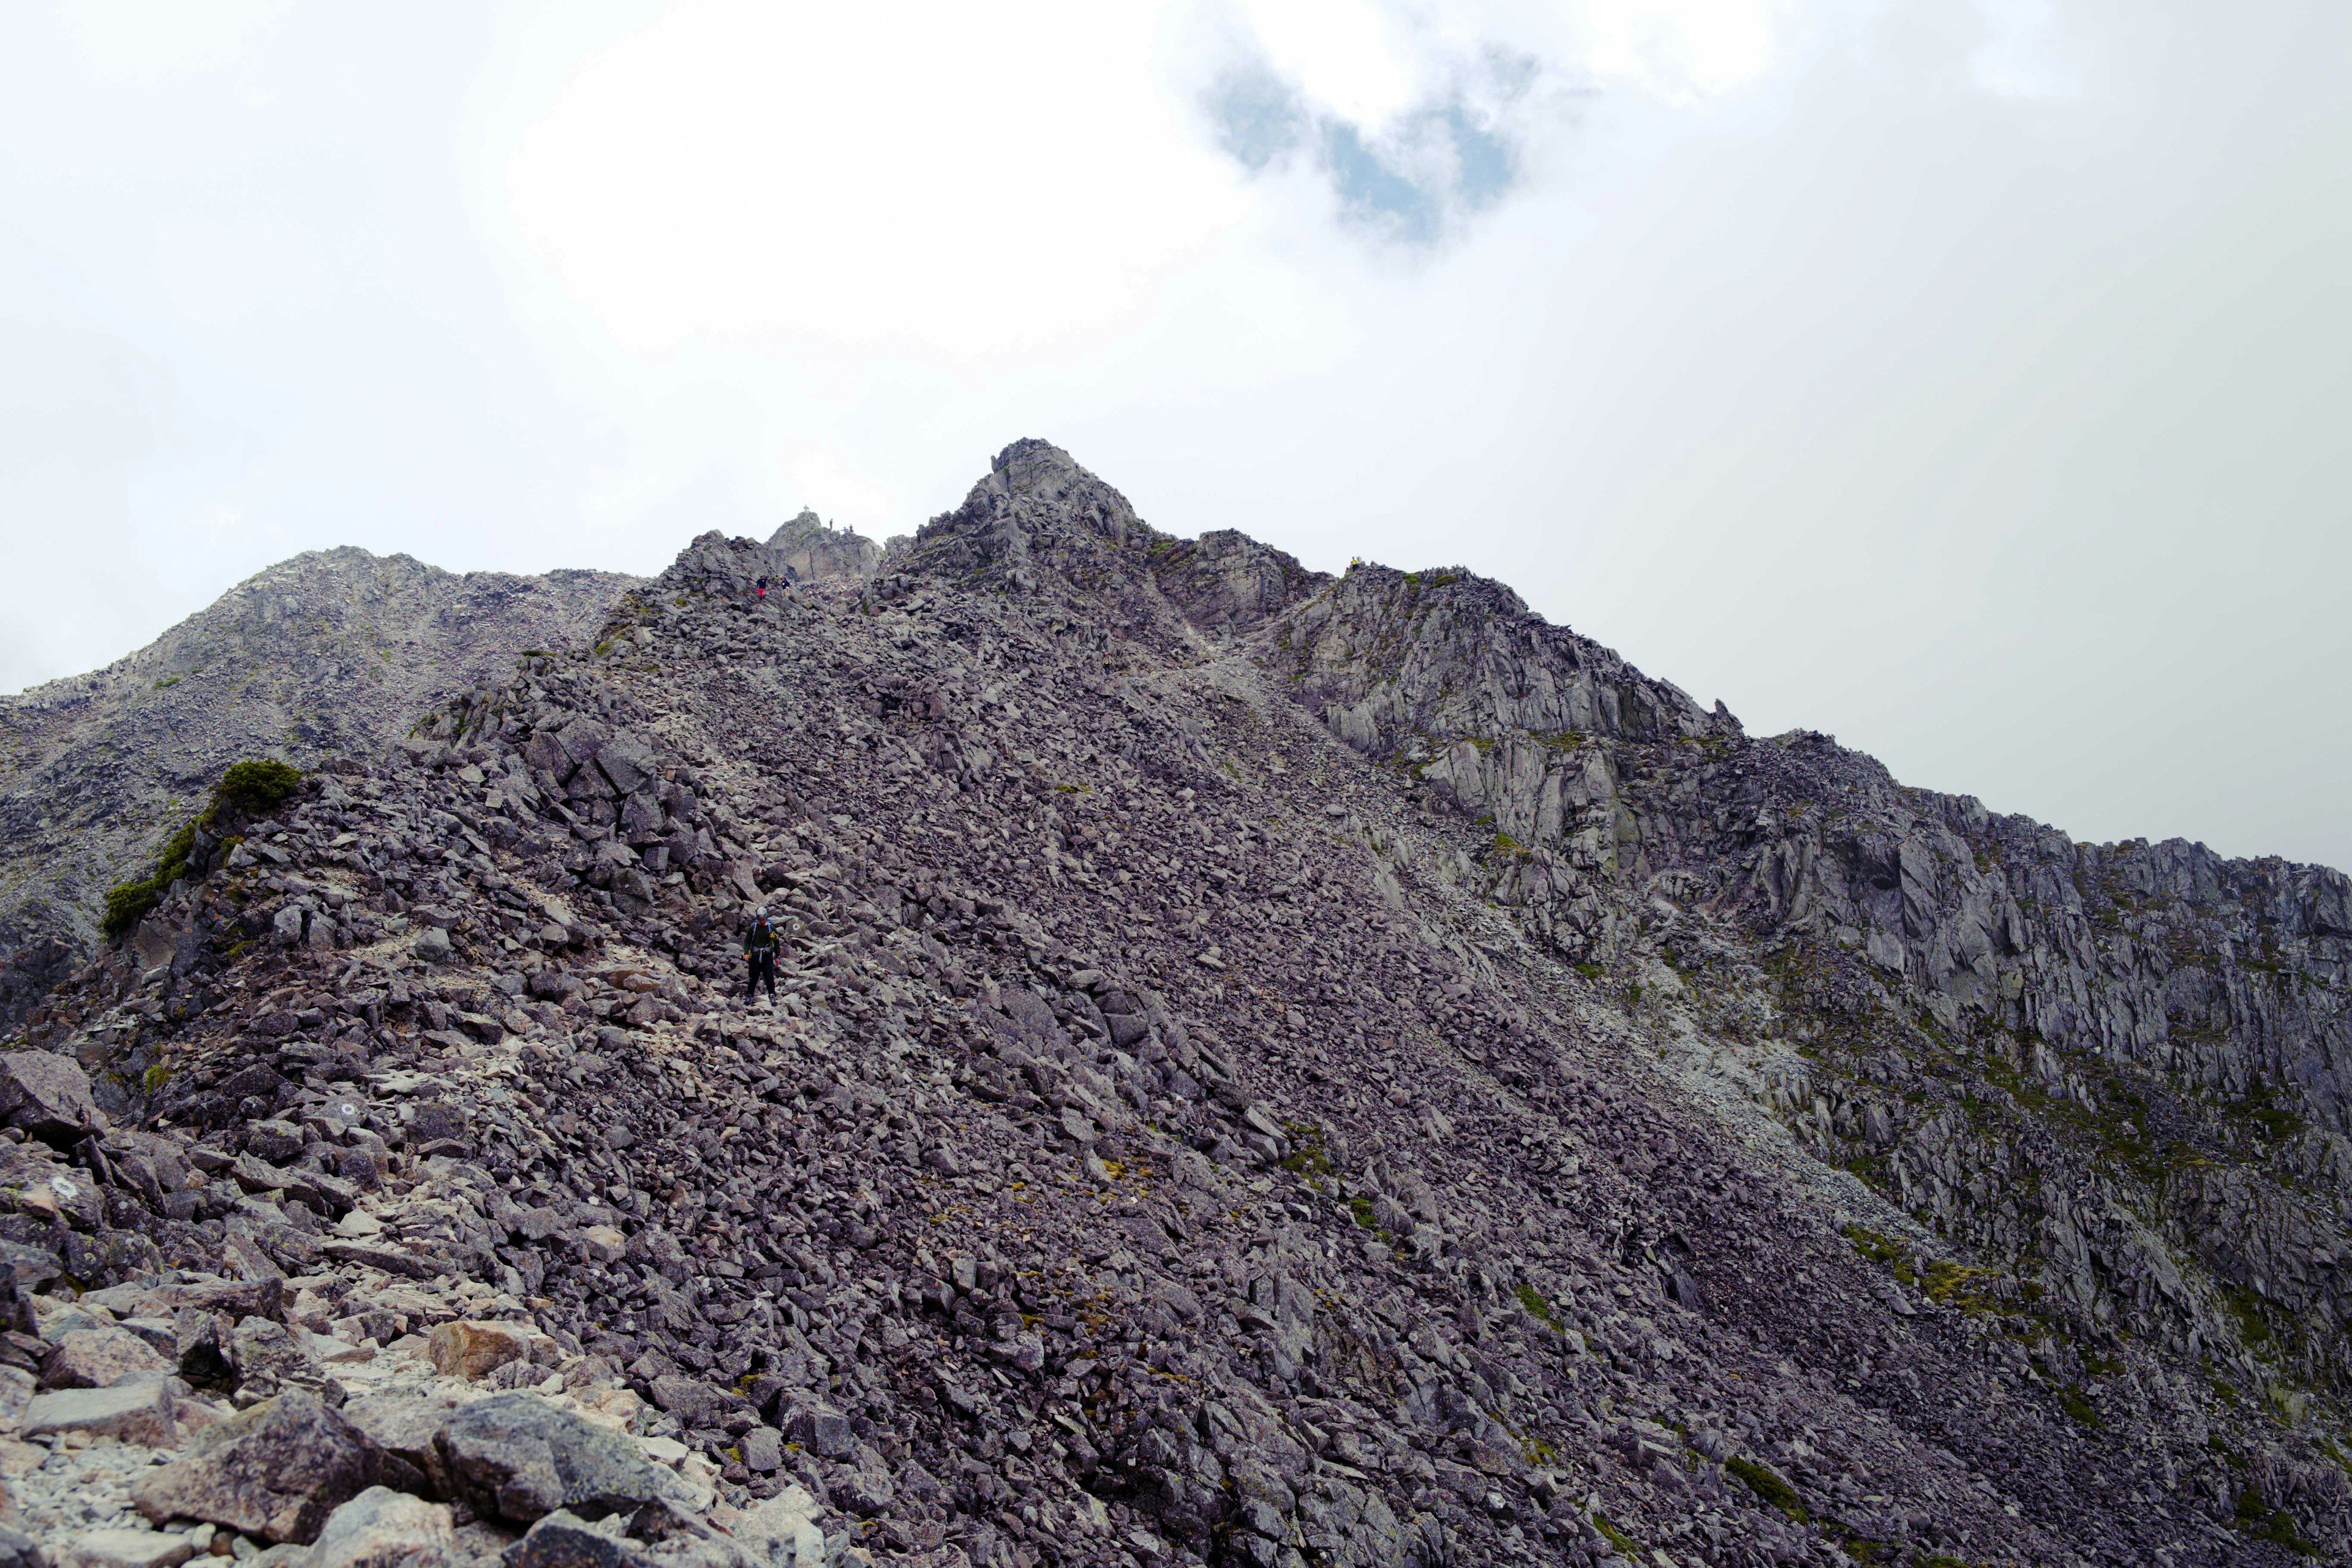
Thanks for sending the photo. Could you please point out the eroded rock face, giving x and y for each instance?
(1262, 1064)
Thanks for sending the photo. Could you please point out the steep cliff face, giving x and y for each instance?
(331, 651)
(2115, 1072)
(1266, 1068)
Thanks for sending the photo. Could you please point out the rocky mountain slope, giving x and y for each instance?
(330, 653)
(1268, 1068)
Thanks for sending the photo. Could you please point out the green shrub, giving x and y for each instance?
(255, 784)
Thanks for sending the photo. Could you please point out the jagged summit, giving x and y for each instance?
(808, 548)
(1268, 1067)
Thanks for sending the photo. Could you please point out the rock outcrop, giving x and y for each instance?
(809, 549)
(1265, 1068)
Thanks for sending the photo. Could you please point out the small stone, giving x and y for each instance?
(129, 1548)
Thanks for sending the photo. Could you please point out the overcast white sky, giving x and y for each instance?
(1969, 378)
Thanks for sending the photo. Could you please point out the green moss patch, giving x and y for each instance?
(1768, 1484)
(1538, 1307)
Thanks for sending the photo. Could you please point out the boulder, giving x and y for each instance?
(140, 1412)
(519, 1457)
(471, 1350)
(100, 1358)
(277, 1470)
(384, 1529)
(46, 1096)
(408, 1428)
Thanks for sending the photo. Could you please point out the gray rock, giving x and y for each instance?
(129, 1548)
(277, 1471)
(100, 1358)
(818, 1426)
(763, 1450)
(563, 1539)
(139, 1411)
(46, 1096)
(519, 1457)
(269, 1358)
(407, 1429)
(381, 1528)
(18, 1550)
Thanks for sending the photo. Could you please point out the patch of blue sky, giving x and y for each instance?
(1410, 183)
(1485, 165)
(1368, 188)
(1258, 116)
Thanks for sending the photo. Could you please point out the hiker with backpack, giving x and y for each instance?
(760, 945)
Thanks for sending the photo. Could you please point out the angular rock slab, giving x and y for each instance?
(132, 1412)
(520, 1458)
(47, 1096)
(102, 1358)
(277, 1470)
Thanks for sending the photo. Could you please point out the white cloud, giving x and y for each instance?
(959, 177)
(216, 272)
(1962, 378)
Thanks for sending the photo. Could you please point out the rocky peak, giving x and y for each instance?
(808, 548)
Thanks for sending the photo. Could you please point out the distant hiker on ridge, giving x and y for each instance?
(759, 949)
